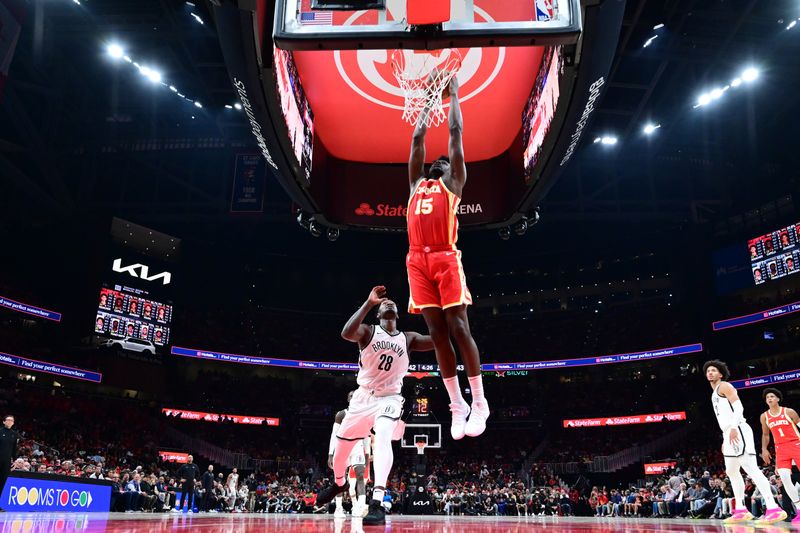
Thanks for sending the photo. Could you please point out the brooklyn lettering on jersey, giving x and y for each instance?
(388, 345)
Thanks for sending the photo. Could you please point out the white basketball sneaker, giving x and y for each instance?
(339, 513)
(477, 419)
(460, 413)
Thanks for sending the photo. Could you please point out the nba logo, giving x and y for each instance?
(545, 10)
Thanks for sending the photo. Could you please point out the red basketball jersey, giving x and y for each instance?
(783, 430)
(432, 219)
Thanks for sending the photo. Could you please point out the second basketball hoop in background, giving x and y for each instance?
(423, 76)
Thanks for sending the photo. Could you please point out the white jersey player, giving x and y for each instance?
(377, 404)
(738, 446)
(357, 469)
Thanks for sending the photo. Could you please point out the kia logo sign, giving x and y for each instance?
(138, 270)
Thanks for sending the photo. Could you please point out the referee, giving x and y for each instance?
(8, 449)
(188, 473)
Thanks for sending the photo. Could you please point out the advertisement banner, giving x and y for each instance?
(487, 367)
(770, 379)
(20, 307)
(625, 420)
(249, 180)
(658, 468)
(216, 417)
(767, 314)
(49, 368)
(173, 457)
(25, 492)
(597, 360)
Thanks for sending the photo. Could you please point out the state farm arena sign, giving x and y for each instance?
(625, 420)
(651, 469)
(386, 210)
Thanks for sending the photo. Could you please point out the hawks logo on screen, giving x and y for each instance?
(369, 72)
(387, 210)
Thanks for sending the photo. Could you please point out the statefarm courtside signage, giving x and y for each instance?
(216, 417)
(658, 468)
(44, 493)
(625, 420)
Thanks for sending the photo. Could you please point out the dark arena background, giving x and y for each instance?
(197, 195)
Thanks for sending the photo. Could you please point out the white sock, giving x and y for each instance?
(352, 490)
(362, 500)
(453, 390)
(378, 494)
(476, 386)
(338, 500)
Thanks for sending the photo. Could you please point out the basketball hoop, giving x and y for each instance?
(422, 77)
(421, 445)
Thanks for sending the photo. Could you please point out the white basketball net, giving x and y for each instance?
(422, 77)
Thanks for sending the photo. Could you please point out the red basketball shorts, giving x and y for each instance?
(436, 278)
(785, 453)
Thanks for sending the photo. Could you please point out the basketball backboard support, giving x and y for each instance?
(431, 434)
(472, 23)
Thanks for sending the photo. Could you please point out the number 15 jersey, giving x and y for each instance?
(383, 362)
(432, 215)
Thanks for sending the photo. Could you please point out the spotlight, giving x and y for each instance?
(152, 75)
(650, 128)
(521, 227)
(198, 104)
(333, 234)
(716, 93)
(792, 24)
(115, 51)
(314, 229)
(704, 99)
(750, 74)
(237, 106)
(228, 106)
(609, 140)
(736, 82)
(197, 18)
(658, 26)
(504, 233)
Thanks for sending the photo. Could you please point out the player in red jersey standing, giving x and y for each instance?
(435, 275)
(782, 423)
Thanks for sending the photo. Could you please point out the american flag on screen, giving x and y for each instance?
(308, 17)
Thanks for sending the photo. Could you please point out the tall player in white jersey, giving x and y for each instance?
(738, 446)
(377, 404)
(357, 468)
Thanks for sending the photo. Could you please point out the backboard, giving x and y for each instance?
(299, 26)
(430, 433)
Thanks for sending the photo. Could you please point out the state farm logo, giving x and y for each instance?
(369, 72)
(364, 209)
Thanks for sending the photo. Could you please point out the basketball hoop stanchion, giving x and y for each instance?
(423, 76)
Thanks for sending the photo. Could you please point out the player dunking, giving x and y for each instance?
(738, 446)
(357, 468)
(377, 404)
(435, 275)
(782, 423)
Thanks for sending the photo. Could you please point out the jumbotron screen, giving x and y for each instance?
(295, 108)
(775, 254)
(541, 108)
(123, 313)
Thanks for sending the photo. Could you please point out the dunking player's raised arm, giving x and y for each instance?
(418, 342)
(416, 161)
(458, 169)
(355, 330)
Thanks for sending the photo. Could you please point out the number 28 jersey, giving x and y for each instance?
(432, 215)
(383, 362)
